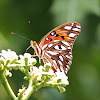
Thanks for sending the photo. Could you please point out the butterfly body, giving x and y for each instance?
(56, 46)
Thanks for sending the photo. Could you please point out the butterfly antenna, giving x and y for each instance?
(20, 36)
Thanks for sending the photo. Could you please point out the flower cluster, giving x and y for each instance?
(46, 72)
(38, 76)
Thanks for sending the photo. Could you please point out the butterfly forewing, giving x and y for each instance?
(57, 45)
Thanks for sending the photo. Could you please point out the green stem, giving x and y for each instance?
(29, 91)
(7, 87)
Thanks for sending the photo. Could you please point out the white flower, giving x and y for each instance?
(27, 58)
(41, 67)
(55, 77)
(26, 55)
(2, 61)
(47, 69)
(59, 78)
(9, 55)
(8, 73)
(50, 72)
(22, 91)
(62, 76)
(36, 73)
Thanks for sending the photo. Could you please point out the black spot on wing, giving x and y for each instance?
(50, 39)
(56, 35)
(59, 46)
(62, 37)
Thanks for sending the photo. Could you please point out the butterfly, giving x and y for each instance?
(56, 46)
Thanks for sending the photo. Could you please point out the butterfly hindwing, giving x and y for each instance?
(59, 54)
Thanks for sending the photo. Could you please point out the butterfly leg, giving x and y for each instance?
(40, 61)
(34, 55)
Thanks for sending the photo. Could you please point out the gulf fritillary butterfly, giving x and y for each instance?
(56, 46)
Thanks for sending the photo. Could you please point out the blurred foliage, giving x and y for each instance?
(45, 15)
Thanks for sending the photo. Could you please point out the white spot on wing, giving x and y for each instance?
(61, 58)
(52, 33)
(78, 26)
(54, 66)
(66, 70)
(69, 57)
(48, 55)
(52, 53)
(76, 29)
(72, 35)
(55, 62)
(61, 68)
(63, 48)
(69, 48)
(44, 46)
(67, 67)
(47, 38)
(56, 47)
(72, 24)
(70, 62)
(60, 62)
(66, 43)
(50, 45)
(55, 40)
(68, 27)
(70, 53)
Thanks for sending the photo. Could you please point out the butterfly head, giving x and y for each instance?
(32, 44)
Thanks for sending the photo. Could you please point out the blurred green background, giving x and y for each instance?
(44, 15)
